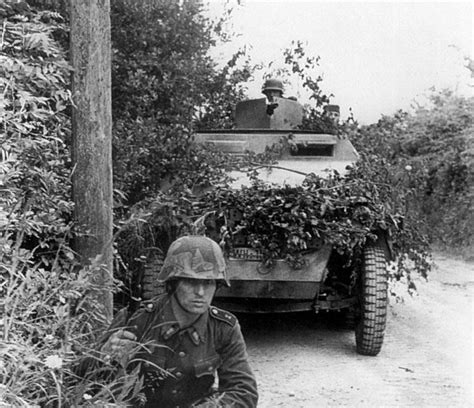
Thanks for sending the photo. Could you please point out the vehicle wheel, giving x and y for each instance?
(350, 318)
(370, 327)
(150, 287)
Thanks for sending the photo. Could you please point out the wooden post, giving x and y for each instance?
(92, 135)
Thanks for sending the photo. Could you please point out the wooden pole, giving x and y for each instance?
(92, 136)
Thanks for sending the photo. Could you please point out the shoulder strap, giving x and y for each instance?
(223, 316)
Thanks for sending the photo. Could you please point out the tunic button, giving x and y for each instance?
(179, 374)
(182, 354)
(174, 392)
(214, 311)
(210, 368)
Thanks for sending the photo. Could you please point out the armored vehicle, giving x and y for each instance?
(323, 283)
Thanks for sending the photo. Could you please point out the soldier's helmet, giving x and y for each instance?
(273, 84)
(194, 257)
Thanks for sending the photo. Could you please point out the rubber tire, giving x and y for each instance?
(350, 319)
(150, 287)
(370, 328)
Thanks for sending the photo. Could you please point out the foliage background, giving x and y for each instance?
(164, 86)
(49, 318)
(435, 142)
(415, 175)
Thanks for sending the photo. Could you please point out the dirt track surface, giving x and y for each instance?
(301, 360)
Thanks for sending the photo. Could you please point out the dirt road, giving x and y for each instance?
(426, 360)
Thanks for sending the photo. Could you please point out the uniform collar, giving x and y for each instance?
(170, 326)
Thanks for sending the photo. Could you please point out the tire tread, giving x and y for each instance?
(370, 329)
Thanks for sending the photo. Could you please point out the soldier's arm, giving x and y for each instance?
(95, 358)
(237, 385)
(123, 328)
(128, 332)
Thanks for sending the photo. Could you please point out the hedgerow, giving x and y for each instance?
(49, 313)
(164, 84)
(435, 143)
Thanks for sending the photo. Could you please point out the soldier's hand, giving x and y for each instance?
(119, 345)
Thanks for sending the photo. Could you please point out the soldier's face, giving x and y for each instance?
(195, 295)
(271, 94)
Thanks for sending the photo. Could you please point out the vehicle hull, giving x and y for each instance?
(280, 288)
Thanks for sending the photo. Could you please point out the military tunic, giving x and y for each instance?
(206, 357)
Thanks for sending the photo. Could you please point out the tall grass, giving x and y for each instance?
(51, 323)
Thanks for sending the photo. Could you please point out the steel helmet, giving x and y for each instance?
(273, 84)
(194, 257)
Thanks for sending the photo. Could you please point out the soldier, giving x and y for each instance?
(192, 340)
(272, 88)
(333, 112)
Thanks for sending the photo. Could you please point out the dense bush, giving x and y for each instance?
(428, 157)
(49, 312)
(164, 84)
(439, 140)
(35, 161)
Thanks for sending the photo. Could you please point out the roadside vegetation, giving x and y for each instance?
(414, 179)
